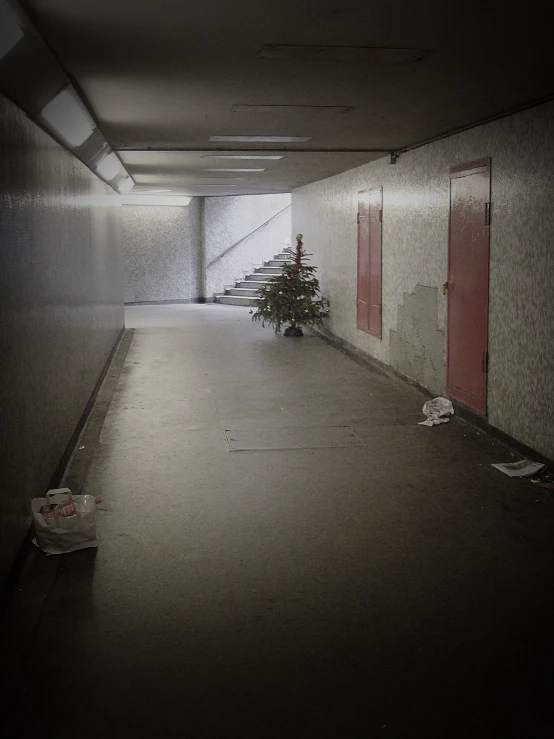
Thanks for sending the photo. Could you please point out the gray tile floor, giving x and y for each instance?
(399, 588)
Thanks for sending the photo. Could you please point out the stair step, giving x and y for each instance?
(259, 278)
(236, 300)
(252, 284)
(245, 292)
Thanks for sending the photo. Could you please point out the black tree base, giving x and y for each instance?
(293, 331)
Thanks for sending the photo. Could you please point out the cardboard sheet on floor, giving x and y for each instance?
(317, 437)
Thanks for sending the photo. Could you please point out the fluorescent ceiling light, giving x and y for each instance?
(333, 109)
(109, 167)
(352, 54)
(232, 169)
(202, 186)
(242, 156)
(267, 139)
(156, 200)
(68, 117)
(10, 30)
(154, 191)
(126, 186)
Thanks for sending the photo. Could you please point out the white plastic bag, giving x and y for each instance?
(435, 410)
(61, 534)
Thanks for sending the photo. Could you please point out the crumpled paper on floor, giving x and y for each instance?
(436, 411)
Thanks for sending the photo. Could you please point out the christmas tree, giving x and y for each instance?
(293, 296)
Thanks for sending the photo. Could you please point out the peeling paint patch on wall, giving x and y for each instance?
(417, 347)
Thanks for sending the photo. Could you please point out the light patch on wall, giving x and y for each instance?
(397, 199)
(409, 199)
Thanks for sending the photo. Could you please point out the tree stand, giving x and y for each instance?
(293, 331)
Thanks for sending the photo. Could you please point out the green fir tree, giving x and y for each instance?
(292, 297)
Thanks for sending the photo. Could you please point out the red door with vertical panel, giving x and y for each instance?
(468, 284)
(369, 309)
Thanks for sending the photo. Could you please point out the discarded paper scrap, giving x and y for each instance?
(523, 468)
(436, 410)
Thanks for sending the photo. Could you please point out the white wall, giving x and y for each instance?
(415, 243)
(167, 250)
(162, 252)
(229, 219)
(61, 307)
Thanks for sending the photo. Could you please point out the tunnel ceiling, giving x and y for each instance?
(360, 79)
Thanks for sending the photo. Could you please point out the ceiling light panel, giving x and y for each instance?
(109, 167)
(232, 169)
(242, 156)
(311, 109)
(156, 200)
(263, 139)
(126, 186)
(345, 54)
(68, 118)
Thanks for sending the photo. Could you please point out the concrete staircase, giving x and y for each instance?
(245, 291)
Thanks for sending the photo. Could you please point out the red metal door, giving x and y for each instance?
(363, 261)
(468, 284)
(369, 298)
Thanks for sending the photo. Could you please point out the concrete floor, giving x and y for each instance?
(398, 588)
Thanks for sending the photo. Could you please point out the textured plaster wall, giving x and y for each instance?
(415, 250)
(61, 305)
(162, 252)
(228, 219)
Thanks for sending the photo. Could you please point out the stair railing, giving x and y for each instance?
(243, 238)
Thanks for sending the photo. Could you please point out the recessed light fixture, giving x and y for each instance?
(156, 200)
(109, 167)
(10, 30)
(69, 118)
(126, 186)
(311, 109)
(352, 54)
(232, 169)
(262, 139)
(242, 156)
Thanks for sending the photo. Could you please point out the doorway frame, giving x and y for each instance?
(463, 170)
(378, 331)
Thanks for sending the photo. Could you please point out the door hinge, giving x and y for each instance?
(380, 215)
(485, 362)
(487, 214)
(358, 218)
